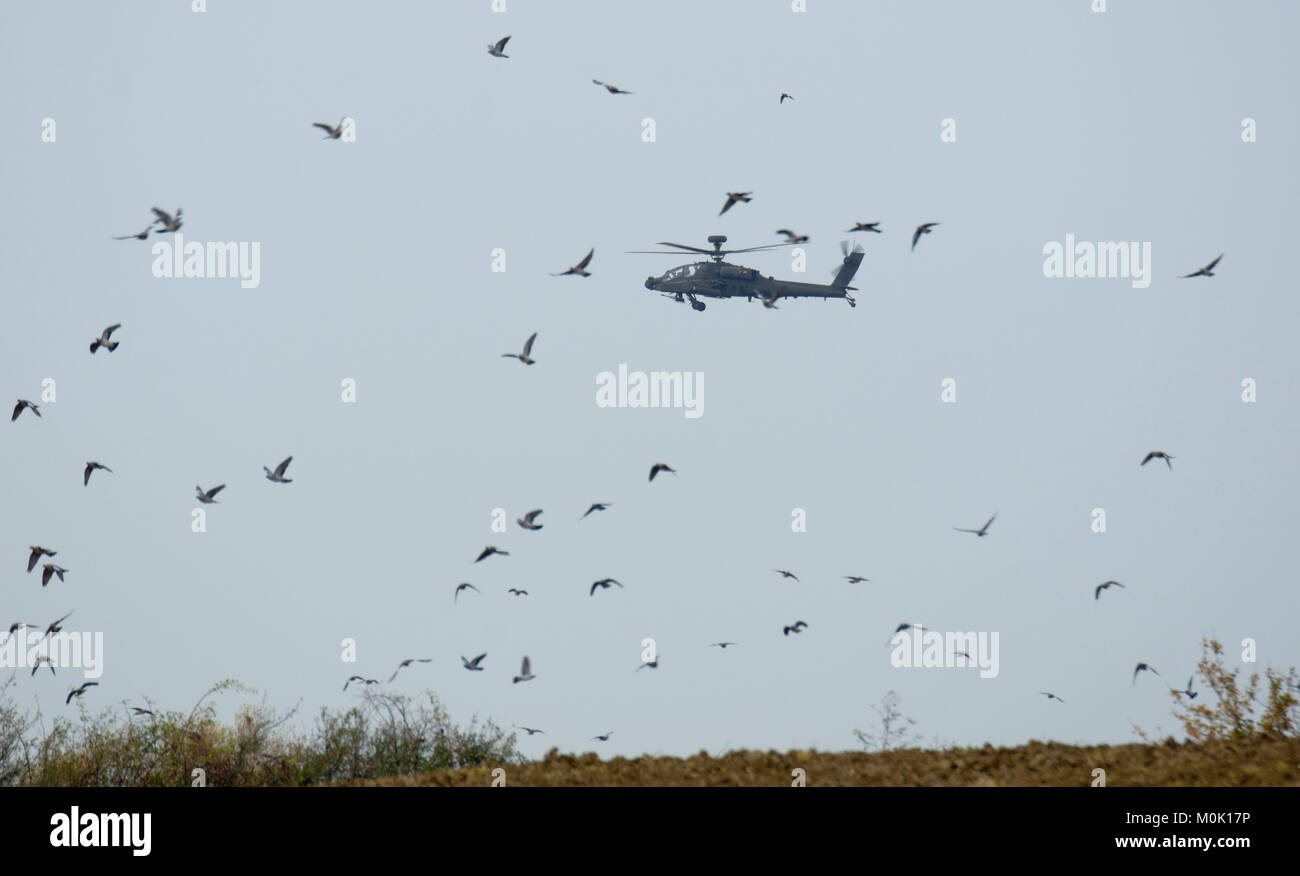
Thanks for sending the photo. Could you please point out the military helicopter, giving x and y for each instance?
(720, 279)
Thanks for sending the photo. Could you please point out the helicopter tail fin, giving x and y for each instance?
(850, 267)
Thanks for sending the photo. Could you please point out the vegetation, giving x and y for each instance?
(1242, 709)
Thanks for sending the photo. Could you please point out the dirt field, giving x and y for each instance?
(1213, 764)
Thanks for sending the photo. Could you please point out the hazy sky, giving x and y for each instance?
(376, 264)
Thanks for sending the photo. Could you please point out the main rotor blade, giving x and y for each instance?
(758, 248)
(659, 252)
(684, 246)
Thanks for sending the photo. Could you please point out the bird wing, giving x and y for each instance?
(727, 206)
(916, 235)
(959, 529)
(1150, 456)
(108, 332)
(586, 259)
(279, 469)
(501, 43)
(528, 344)
(990, 521)
(476, 660)
(163, 216)
(217, 489)
(526, 668)
(1210, 266)
(329, 129)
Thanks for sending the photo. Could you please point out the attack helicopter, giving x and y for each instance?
(720, 279)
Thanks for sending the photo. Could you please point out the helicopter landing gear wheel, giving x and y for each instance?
(697, 305)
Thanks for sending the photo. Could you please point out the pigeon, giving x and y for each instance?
(865, 226)
(733, 198)
(90, 467)
(36, 664)
(206, 497)
(50, 571)
(407, 662)
(527, 520)
(856, 579)
(529, 730)
(360, 680)
(527, 355)
(277, 476)
(603, 584)
(473, 665)
(653, 664)
(596, 506)
(603, 738)
(1052, 696)
(35, 556)
(517, 592)
(1096, 594)
(580, 269)
(332, 132)
(139, 711)
(1159, 454)
(1139, 668)
(1207, 271)
(785, 97)
(24, 403)
(14, 627)
(138, 236)
(525, 672)
(497, 49)
(79, 691)
(791, 237)
(786, 574)
(983, 530)
(55, 626)
(103, 339)
(612, 89)
(489, 551)
(796, 627)
(463, 586)
(167, 221)
(1191, 694)
(923, 229)
(658, 467)
(722, 645)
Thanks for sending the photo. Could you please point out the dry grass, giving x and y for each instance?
(1218, 763)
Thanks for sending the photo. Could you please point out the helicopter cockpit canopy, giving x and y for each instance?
(685, 272)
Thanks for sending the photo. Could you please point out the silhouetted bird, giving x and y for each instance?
(580, 269)
(517, 592)
(35, 556)
(658, 467)
(1159, 454)
(36, 664)
(596, 506)
(796, 627)
(856, 579)
(360, 680)
(867, 226)
(497, 49)
(277, 476)
(1051, 696)
(784, 573)
(527, 355)
(722, 645)
(604, 584)
(923, 229)
(733, 198)
(489, 551)
(1207, 271)
(785, 97)
(791, 237)
(407, 662)
(90, 467)
(24, 403)
(983, 530)
(1190, 694)
(473, 665)
(1139, 668)
(50, 571)
(463, 586)
(603, 738)
(529, 730)
(525, 672)
(332, 132)
(56, 627)
(138, 236)
(1096, 594)
(612, 89)
(207, 496)
(81, 690)
(139, 711)
(527, 521)
(103, 339)
(167, 221)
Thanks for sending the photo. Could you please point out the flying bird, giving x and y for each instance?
(525, 672)
(1052, 696)
(596, 506)
(55, 626)
(35, 557)
(1096, 594)
(359, 679)
(36, 664)
(855, 579)
(527, 355)
(722, 645)
(207, 496)
(796, 627)
(50, 570)
(103, 339)
(786, 574)
(90, 467)
(527, 521)
(517, 592)
(603, 738)
(1191, 694)
(1207, 271)
(24, 403)
(139, 711)
(866, 226)
(791, 237)
(407, 662)
(277, 476)
(497, 49)
(658, 467)
(769, 301)
(463, 586)
(1158, 454)
(489, 551)
(603, 584)
(733, 197)
(612, 89)
(580, 269)
(922, 229)
(332, 132)
(139, 236)
(167, 221)
(1139, 668)
(79, 691)
(983, 530)
(473, 665)
(529, 730)
(13, 628)
(653, 664)
(785, 97)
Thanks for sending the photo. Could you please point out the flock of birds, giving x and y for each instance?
(165, 222)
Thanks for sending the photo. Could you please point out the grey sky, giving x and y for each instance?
(375, 264)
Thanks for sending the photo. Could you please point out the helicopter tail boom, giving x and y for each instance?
(847, 270)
